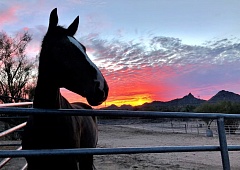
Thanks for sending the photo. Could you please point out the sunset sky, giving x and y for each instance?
(147, 50)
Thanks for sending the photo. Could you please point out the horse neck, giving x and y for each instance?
(46, 96)
(47, 93)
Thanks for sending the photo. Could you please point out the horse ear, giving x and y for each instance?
(53, 20)
(72, 29)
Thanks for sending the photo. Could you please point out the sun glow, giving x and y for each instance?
(135, 100)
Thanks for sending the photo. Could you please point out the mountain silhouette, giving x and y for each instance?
(225, 96)
(186, 101)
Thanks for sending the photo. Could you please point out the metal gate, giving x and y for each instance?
(224, 148)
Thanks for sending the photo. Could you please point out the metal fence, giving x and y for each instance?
(4, 161)
(192, 126)
(223, 147)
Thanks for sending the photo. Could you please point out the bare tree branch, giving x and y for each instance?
(15, 68)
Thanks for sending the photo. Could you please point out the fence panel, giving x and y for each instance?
(11, 130)
(223, 147)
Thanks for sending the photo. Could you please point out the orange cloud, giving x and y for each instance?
(134, 87)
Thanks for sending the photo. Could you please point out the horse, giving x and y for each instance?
(63, 63)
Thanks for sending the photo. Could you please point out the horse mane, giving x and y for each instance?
(82, 105)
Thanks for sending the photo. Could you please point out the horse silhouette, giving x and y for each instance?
(63, 62)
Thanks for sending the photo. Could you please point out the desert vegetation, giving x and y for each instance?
(231, 125)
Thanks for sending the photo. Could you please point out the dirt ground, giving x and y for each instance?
(149, 134)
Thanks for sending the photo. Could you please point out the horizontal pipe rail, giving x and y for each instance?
(13, 117)
(6, 160)
(224, 148)
(4, 133)
(16, 104)
(110, 151)
(117, 113)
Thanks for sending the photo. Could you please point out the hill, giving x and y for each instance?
(123, 107)
(188, 100)
(225, 96)
(186, 103)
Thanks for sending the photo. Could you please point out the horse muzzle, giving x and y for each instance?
(97, 96)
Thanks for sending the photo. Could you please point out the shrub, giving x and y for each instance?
(231, 125)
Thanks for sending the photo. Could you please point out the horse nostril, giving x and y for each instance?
(98, 94)
(97, 85)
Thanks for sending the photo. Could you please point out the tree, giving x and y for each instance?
(15, 68)
(231, 125)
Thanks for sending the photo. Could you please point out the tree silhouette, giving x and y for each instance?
(15, 68)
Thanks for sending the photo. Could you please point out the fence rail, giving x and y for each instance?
(188, 126)
(223, 147)
(11, 130)
(115, 113)
(16, 104)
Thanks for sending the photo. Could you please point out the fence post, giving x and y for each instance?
(172, 126)
(185, 128)
(223, 144)
(197, 129)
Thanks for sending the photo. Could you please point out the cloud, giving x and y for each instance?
(162, 69)
(162, 51)
(37, 33)
(165, 68)
(8, 14)
(158, 66)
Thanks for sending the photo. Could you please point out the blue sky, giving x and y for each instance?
(156, 49)
(190, 20)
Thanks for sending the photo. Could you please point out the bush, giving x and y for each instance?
(231, 125)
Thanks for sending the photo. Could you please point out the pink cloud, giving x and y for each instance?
(8, 15)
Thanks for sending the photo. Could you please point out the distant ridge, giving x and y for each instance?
(225, 96)
(188, 100)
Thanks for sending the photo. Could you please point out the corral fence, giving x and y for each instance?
(189, 126)
(4, 161)
(223, 147)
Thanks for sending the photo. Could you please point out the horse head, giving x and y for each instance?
(68, 64)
